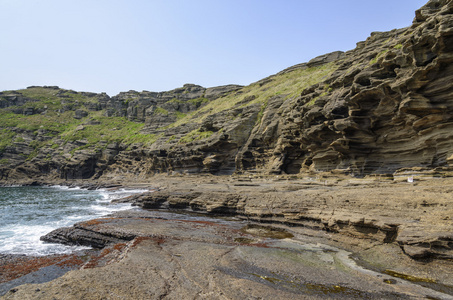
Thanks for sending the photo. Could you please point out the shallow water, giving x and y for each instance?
(27, 213)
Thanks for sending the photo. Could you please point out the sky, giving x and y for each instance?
(159, 45)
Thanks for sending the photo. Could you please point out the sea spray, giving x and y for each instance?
(27, 213)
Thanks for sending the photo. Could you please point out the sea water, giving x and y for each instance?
(27, 213)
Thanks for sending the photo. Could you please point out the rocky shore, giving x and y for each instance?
(330, 179)
(225, 237)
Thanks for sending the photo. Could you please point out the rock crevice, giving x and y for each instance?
(380, 108)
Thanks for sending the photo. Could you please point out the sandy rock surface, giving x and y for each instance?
(347, 239)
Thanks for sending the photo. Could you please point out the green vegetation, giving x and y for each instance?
(77, 97)
(6, 138)
(180, 115)
(43, 99)
(62, 127)
(161, 111)
(4, 161)
(52, 121)
(399, 46)
(313, 101)
(140, 138)
(110, 129)
(285, 85)
(198, 101)
(195, 135)
(174, 100)
(261, 113)
(376, 58)
(409, 277)
(44, 95)
(73, 151)
(172, 138)
(52, 98)
(36, 145)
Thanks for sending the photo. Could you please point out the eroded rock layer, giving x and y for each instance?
(380, 108)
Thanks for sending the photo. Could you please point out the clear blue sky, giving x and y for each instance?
(158, 45)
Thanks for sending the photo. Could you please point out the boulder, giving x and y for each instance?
(80, 114)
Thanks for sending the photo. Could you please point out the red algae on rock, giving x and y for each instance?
(25, 265)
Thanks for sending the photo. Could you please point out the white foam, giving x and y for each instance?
(105, 210)
(76, 218)
(120, 193)
(25, 238)
(61, 187)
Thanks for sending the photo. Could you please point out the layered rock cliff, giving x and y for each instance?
(384, 107)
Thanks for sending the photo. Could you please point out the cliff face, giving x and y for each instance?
(387, 106)
(381, 108)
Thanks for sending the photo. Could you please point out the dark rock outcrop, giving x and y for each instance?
(84, 235)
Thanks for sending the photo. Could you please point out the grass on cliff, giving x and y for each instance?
(197, 101)
(119, 129)
(195, 135)
(289, 85)
(6, 138)
(161, 111)
(53, 121)
(44, 95)
(110, 129)
(52, 98)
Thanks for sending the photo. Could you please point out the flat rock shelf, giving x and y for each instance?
(202, 245)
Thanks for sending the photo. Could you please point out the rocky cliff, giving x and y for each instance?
(383, 108)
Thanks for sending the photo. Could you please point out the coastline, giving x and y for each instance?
(36, 267)
(18, 269)
(399, 228)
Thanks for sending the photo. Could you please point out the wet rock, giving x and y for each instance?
(84, 235)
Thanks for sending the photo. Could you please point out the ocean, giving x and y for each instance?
(27, 213)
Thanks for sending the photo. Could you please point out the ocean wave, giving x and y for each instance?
(33, 212)
(25, 240)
